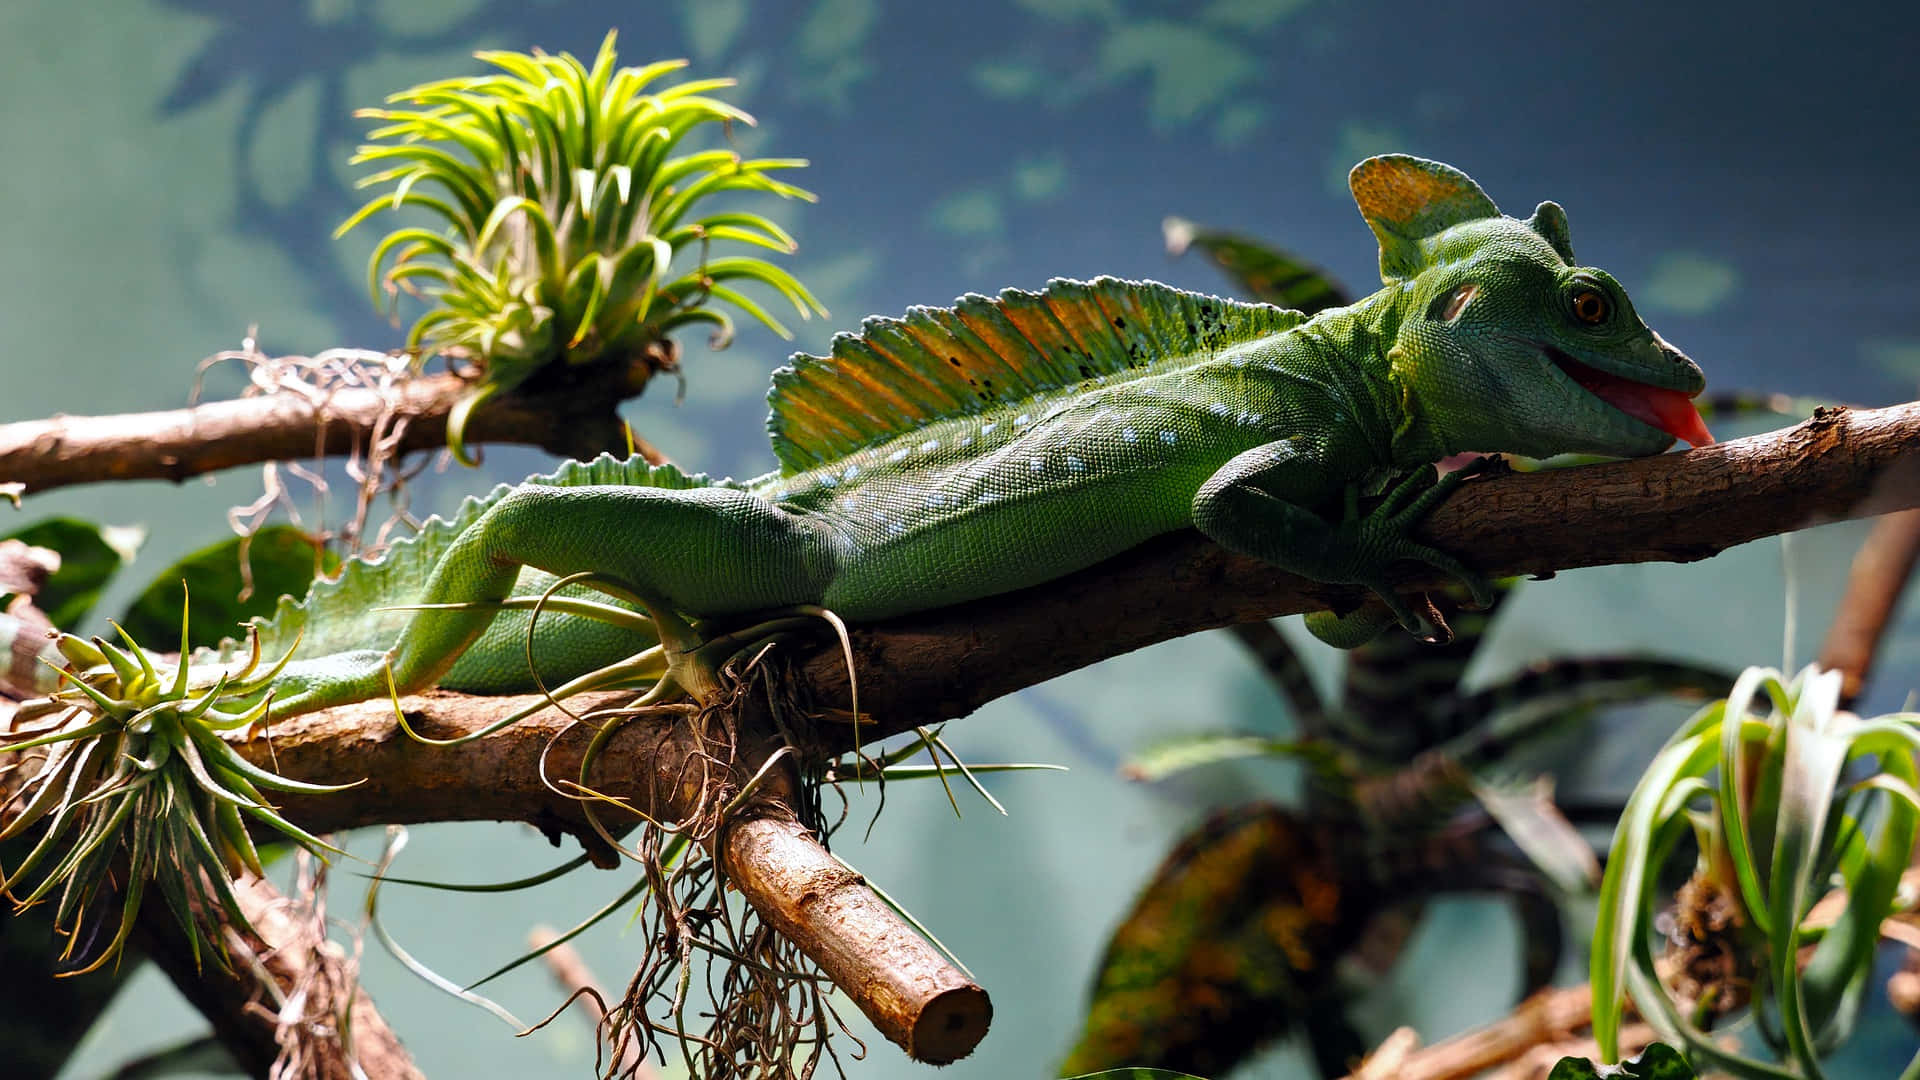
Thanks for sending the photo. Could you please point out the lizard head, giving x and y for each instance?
(1506, 343)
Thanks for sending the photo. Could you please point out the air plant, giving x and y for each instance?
(1776, 784)
(136, 787)
(571, 234)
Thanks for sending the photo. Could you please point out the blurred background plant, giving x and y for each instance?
(1783, 793)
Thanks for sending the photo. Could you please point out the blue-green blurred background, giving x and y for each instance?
(177, 168)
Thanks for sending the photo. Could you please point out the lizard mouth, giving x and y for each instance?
(1670, 411)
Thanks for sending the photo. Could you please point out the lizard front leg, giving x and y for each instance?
(1258, 504)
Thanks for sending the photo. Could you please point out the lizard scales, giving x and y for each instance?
(963, 452)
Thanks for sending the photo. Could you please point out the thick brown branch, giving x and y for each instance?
(573, 416)
(913, 995)
(943, 664)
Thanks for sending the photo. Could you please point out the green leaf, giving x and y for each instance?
(282, 559)
(1233, 943)
(1656, 1062)
(1631, 865)
(1261, 272)
(1192, 751)
(89, 556)
(1527, 814)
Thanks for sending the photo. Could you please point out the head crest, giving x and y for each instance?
(1551, 223)
(1408, 199)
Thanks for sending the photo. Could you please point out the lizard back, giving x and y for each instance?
(983, 354)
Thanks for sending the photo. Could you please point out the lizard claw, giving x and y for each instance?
(1423, 620)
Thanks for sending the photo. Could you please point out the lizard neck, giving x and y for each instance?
(1360, 342)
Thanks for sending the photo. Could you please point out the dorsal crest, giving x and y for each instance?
(1407, 199)
(985, 353)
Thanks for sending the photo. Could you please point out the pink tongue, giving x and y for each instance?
(1677, 417)
(1671, 411)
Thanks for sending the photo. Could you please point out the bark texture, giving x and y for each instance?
(912, 994)
(573, 415)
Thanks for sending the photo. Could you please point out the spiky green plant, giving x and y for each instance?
(571, 232)
(1771, 784)
(137, 787)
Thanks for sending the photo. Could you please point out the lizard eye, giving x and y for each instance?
(1590, 306)
(1450, 306)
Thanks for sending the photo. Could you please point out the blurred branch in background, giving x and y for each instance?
(1878, 580)
(570, 970)
(287, 1001)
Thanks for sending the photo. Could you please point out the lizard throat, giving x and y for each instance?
(1671, 411)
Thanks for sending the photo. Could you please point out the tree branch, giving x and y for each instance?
(937, 665)
(572, 414)
(912, 994)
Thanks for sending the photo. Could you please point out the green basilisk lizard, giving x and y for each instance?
(1000, 443)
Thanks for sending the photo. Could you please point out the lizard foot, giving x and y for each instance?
(1380, 537)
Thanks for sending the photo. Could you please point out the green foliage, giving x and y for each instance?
(570, 227)
(1776, 819)
(221, 590)
(1656, 1062)
(137, 788)
(89, 557)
